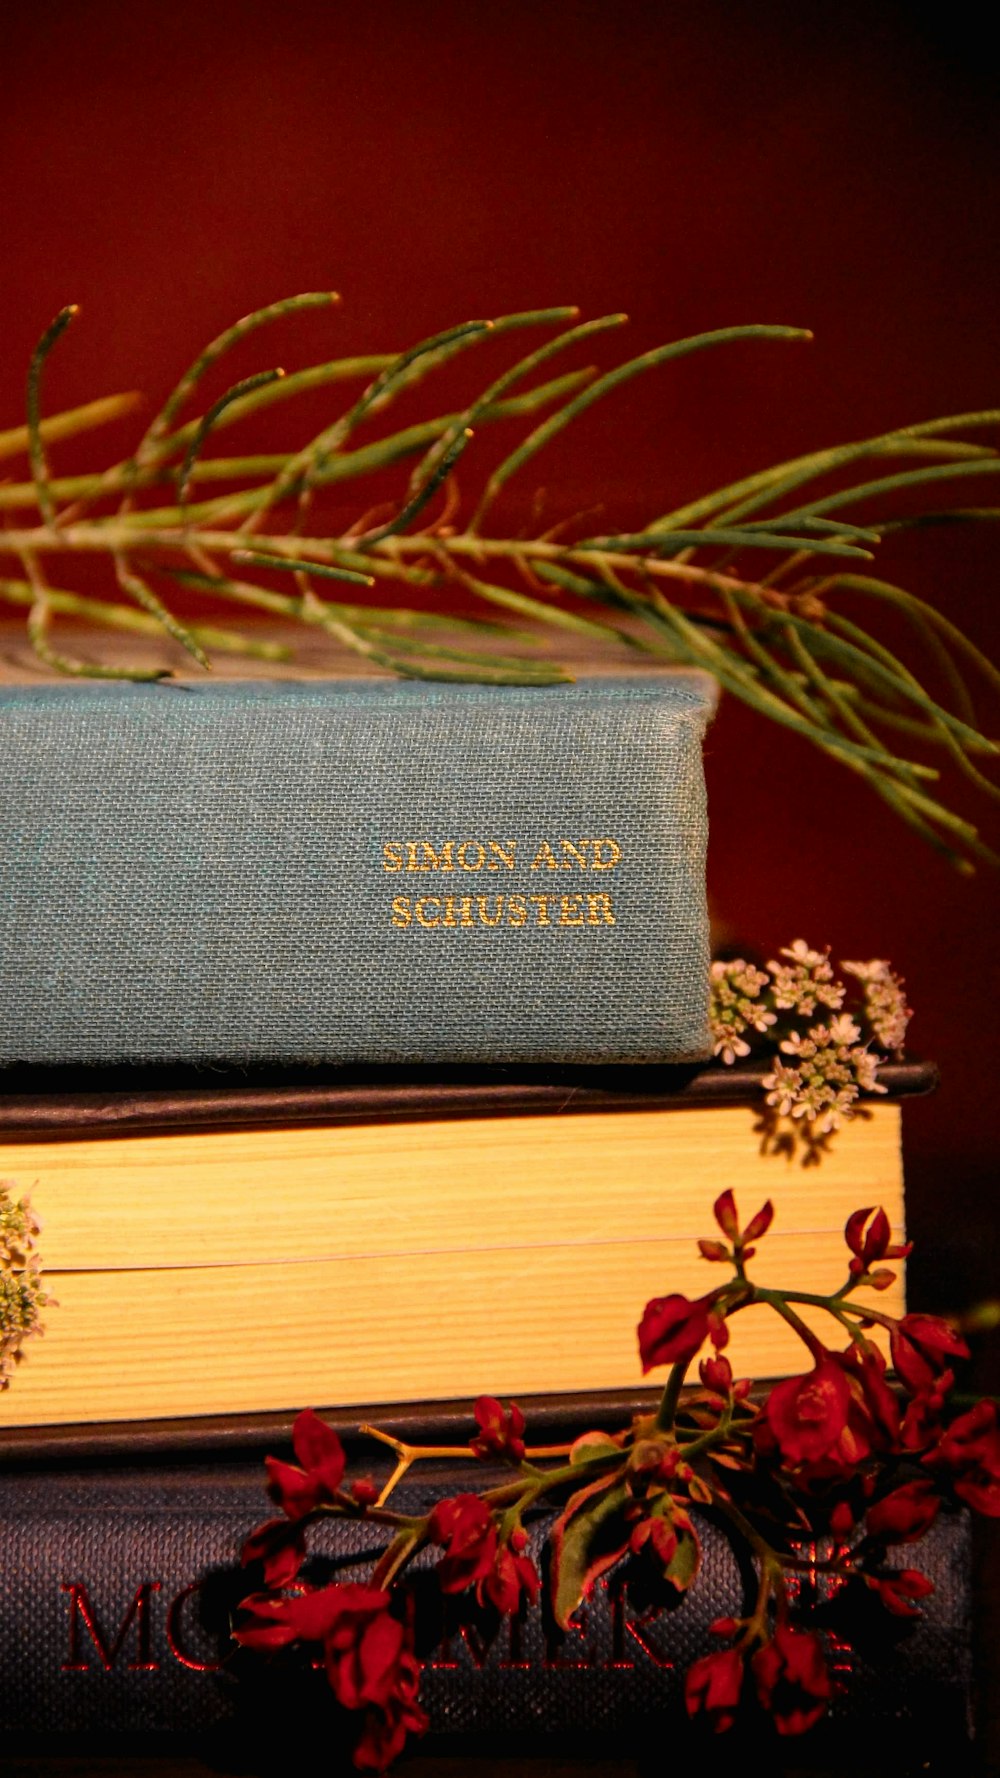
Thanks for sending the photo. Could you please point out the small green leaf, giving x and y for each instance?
(685, 1561)
(589, 1536)
(593, 1444)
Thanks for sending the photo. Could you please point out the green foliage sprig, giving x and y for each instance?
(756, 582)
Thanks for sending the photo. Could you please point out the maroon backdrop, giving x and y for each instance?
(170, 167)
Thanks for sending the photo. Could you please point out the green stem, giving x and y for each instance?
(395, 1557)
(778, 1300)
(36, 441)
(666, 1413)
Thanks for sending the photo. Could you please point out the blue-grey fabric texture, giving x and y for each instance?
(200, 874)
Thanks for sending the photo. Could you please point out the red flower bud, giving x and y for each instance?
(881, 1278)
(724, 1211)
(717, 1375)
(793, 1683)
(364, 1491)
(671, 1330)
(715, 1250)
(759, 1224)
(854, 1228)
(712, 1688)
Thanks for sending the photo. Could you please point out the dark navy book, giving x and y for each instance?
(120, 1576)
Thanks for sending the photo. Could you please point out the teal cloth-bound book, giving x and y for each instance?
(353, 872)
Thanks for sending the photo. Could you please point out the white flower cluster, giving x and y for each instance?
(22, 1297)
(830, 1061)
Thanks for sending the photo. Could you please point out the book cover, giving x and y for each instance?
(120, 1576)
(357, 872)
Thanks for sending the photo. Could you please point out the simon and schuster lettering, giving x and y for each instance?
(517, 910)
(366, 866)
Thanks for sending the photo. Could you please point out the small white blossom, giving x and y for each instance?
(885, 1002)
(865, 1068)
(805, 981)
(798, 952)
(735, 1006)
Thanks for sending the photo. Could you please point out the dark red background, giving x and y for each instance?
(169, 167)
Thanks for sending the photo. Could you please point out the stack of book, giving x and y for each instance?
(353, 1044)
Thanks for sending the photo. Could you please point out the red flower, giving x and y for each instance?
(363, 1646)
(512, 1575)
(384, 1734)
(712, 1687)
(905, 1514)
(922, 1419)
(464, 1524)
(922, 1346)
(281, 1546)
(500, 1434)
(970, 1449)
(870, 1241)
(808, 1415)
(793, 1683)
(874, 1413)
(368, 1653)
(305, 1616)
(671, 1330)
(898, 1590)
(269, 1622)
(319, 1451)
(371, 1665)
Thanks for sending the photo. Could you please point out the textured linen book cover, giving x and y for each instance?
(367, 871)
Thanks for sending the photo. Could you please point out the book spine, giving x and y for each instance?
(374, 873)
(117, 1589)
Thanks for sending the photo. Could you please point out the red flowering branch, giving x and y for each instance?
(845, 1453)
